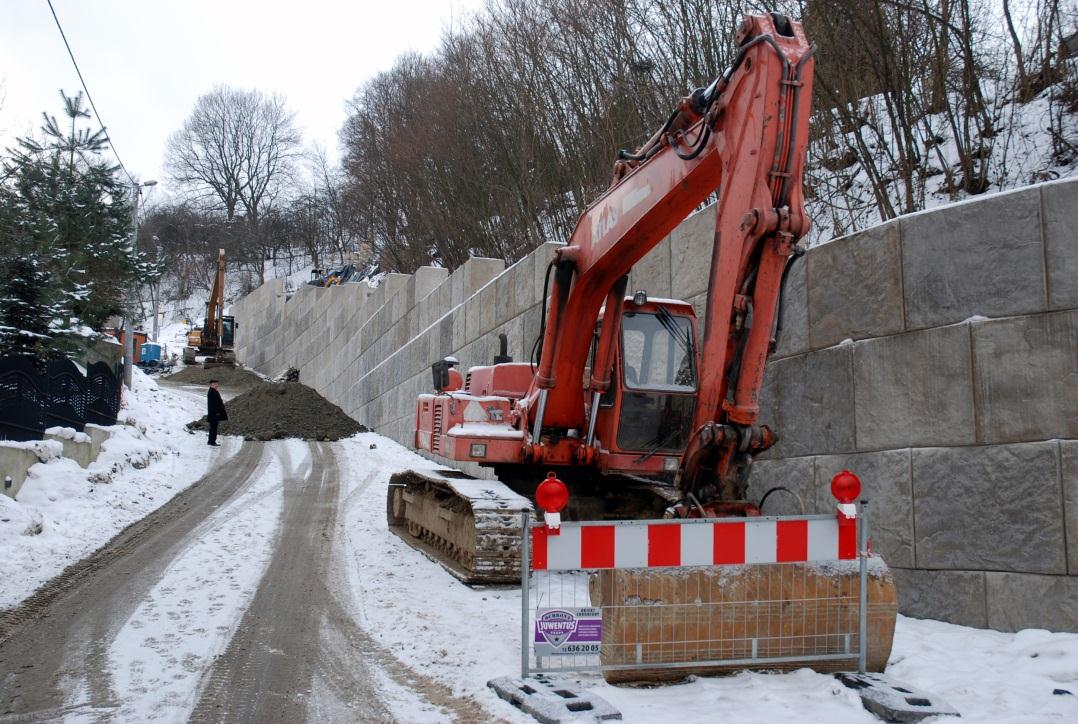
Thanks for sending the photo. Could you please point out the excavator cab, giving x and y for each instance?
(645, 418)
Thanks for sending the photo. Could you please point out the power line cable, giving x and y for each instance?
(88, 96)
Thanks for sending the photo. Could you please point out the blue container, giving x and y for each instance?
(151, 352)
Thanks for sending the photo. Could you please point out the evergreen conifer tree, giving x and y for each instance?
(65, 234)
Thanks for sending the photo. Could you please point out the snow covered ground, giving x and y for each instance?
(141, 467)
(448, 633)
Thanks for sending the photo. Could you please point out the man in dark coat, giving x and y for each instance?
(215, 410)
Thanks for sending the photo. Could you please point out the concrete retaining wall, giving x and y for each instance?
(935, 355)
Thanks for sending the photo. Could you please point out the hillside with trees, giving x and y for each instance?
(501, 137)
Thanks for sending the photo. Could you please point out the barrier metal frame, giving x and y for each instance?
(528, 611)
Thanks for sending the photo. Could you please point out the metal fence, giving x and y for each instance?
(706, 594)
(37, 396)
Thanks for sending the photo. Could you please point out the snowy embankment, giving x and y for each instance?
(463, 637)
(147, 460)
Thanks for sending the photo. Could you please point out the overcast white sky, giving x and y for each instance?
(146, 61)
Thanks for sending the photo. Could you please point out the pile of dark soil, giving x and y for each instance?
(278, 410)
(235, 378)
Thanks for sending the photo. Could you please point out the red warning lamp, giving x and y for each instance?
(552, 496)
(846, 487)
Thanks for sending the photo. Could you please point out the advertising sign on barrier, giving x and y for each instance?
(568, 631)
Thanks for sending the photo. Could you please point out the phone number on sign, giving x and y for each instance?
(579, 649)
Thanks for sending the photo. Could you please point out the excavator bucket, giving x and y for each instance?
(789, 615)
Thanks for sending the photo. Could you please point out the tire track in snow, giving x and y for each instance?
(53, 644)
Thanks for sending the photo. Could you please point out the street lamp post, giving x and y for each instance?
(129, 327)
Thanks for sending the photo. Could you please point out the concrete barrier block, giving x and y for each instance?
(98, 435)
(1020, 601)
(795, 474)
(522, 287)
(814, 400)
(543, 255)
(1027, 377)
(532, 318)
(14, 463)
(427, 279)
(1068, 450)
(77, 448)
(691, 244)
(443, 344)
(793, 336)
(914, 389)
(478, 271)
(394, 282)
(473, 318)
(855, 287)
(491, 309)
(652, 273)
(887, 486)
(1060, 204)
(994, 507)
(953, 596)
(456, 287)
(983, 257)
(460, 328)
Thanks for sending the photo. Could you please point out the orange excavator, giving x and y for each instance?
(636, 409)
(216, 338)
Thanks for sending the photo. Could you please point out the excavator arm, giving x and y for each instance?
(216, 305)
(744, 138)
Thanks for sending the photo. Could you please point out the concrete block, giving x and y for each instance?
(652, 273)
(77, 446)
(443, 345)
(478, 271)
(427, 279)
(855, 287)
(1060, 207)
(952, 596)
(473, 318)
(1027, 377)
(814, 403)
(456, 287)
(914, 389)
(886, 485)
(393, 283)
(14, 463)
(491, 308)
(796, 474)
(993, 507)
(98, 435)
(542, 257)
(521, 281)
(691, 244)
(983, 257)
(532, 318)
(793, 337)
(1068, 453)
(1019, 601)
(460, 328)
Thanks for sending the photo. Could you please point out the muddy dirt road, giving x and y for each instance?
(293, 652)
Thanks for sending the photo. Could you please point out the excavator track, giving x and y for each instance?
(471, 527)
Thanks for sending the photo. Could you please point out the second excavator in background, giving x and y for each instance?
(215, 339)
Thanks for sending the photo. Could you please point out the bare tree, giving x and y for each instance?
(236, 151)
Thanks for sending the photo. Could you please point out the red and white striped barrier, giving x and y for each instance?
(703, 542)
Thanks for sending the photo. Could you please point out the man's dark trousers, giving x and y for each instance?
(213, 430)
